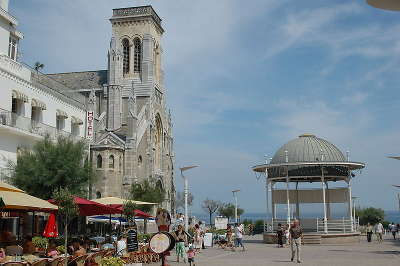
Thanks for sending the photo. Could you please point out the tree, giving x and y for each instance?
(147, 190)
(180, 200)
(228, 210)
(210, 206)
(370, 215)
(38, 66)
(67, 209)
(52, 165)
(129, 211)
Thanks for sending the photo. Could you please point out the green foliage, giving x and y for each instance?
(370, 215)
(217, 231)
(129, 211)
(259, 223)
(147, 190)
(65, 202)
(40, 242)
(61, 249)
(112, 261)
(144, 238)
(246, 222)
(228, 210)
(51, 165)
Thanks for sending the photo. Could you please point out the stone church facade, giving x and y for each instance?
(133, 136)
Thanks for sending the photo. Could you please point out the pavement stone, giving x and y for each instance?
(259, 254)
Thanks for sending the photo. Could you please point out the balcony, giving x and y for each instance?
(32, 127)
(15, 68)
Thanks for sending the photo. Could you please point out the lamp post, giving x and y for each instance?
(393, 5)
(236, 203)
(186, 192)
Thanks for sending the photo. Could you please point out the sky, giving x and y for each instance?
(245, 77)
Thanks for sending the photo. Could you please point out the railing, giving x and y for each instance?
(26, 124)
(317, 225)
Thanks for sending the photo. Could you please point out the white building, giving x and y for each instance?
(31, 104)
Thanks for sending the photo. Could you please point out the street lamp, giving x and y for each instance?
(236, 204)
(186, 192)
(385, 4)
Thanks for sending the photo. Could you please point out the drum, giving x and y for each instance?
(162, 242)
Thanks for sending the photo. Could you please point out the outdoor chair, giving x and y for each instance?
(14, 250)
(78, 261)
(42, 262)
(14, 263)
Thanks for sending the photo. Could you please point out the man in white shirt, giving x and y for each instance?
(379, 231)
(121, 246)
(239, 236)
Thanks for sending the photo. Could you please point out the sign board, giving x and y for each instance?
(132, 241)
(89, 125)
(221, 222)
(208, 239)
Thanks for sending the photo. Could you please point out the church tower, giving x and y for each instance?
(134, 104)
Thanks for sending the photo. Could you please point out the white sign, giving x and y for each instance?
(221, 222)
(208, 237)
(90, 125)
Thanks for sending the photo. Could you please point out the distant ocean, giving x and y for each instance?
(390, 216)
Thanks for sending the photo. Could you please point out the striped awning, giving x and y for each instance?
(20, 96)
(39, 104)
(76, 120)
(61, 113)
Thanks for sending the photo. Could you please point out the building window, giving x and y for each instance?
(75, 129)
(111, 161)
(140, 160)
(126, 53)
(99, 161)
(12, 48)
(120, 164)
(137, 55)
(60, 123)
(36, 114)
(98, 195)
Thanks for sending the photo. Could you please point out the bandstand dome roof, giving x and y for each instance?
(308, 148)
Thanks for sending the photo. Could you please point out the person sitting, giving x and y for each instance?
(77, 244)
(121, 246)
(3, 258)
(28, 246)
(52, 249)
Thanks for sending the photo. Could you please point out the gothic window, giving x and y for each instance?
(120, 163)
(111, 161)
(126, 53)
(158, 142)
(99, 161)
(140, 160)
(98, 194)
(137, 55)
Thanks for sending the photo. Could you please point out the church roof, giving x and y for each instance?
(82, 80)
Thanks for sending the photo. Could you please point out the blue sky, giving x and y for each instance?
(243, 79)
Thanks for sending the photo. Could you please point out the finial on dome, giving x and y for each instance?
(307, 135)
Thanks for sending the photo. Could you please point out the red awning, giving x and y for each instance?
(138, 213)
(89, 208)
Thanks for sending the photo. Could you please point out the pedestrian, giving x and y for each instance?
(369, 230)
(296, 234)
(379, 231)
(239, 236)
(190, 254)
(198, 238)
(251, 229)
(287, 235)
(393, 229)
(203, 232)
(181, 242)
(229, 238)
(279, 235)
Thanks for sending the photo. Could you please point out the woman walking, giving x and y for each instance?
(279, 234)
(198, 238)
(369, 232)
(181, 241)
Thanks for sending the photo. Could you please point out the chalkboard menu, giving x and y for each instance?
(132, 241)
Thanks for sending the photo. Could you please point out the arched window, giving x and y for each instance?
(158, 142)
(120, 163)
(99, 161)
(126, 53)
(137, 62)
(140, 160)
(98, 195)
(111, 161)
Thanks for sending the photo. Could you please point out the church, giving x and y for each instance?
(131, 138)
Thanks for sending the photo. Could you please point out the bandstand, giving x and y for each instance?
(311, 170)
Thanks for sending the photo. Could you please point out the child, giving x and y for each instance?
(190, 254)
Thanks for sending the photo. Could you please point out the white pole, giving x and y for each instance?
(350, 206)
(186, 191)
(324, 200)
(287, 188)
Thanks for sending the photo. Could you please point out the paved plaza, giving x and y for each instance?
(257, 254)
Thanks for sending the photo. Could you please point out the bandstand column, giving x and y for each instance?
(297, 201)
(287, 189)
(273, 209)
(324, 200)
(328, 202)
(350, 204)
